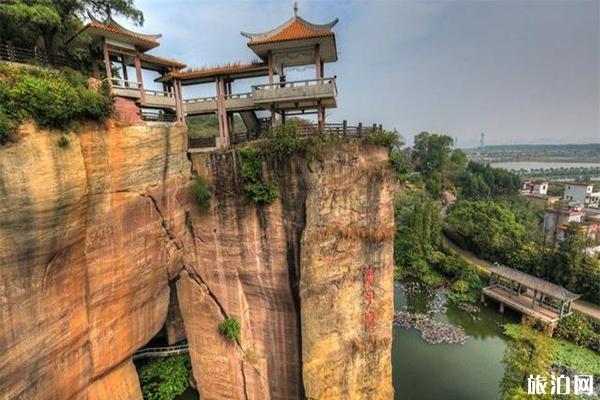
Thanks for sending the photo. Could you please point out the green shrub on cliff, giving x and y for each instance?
(256, 188)
(283, 141)
(165, 378)
(200, 191)
(382, 138)
(53, 99)
(230, 328)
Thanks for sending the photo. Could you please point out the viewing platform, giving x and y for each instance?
(529, 295)
(199, 145)
(292, 95)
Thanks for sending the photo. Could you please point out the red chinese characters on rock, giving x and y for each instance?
(369, 279)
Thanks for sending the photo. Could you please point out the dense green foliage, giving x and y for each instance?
(581, 330)
(230, 328)
(481, 181)
(401, 164)
(527, 353)
(53, 99)
(283, 141)
(24, 22)
(165, 378)
(581, 359)
(419, 251)
(488, 228)
(382, 138)
(200, 192)
(256, 188)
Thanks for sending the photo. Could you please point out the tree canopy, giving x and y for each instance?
(50, 23)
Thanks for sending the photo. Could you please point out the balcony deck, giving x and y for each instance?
(293, 95)
(521, 303)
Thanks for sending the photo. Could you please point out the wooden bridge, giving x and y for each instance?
(161, 351)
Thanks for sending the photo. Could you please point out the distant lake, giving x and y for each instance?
(528, 165)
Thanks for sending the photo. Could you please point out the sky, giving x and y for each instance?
(518, 71)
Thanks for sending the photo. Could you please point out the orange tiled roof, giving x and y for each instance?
(114, 28)
(295, 31)
(162, 60)
(218, 70)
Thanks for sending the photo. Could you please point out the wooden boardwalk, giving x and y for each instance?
(582, 307)
(521, 303)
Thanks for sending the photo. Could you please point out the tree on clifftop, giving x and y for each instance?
(52, 22)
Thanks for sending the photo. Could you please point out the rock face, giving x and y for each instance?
(85, 257)
(101, 245)
(346, 276)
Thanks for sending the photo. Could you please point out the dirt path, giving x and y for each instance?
(583, 307)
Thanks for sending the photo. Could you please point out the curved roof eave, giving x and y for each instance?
(109, 21)
(326, 26)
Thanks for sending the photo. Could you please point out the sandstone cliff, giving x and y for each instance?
(100, 246)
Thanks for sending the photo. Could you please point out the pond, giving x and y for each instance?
(470, 371)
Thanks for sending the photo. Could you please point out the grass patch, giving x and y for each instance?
(230, 328)
(200, 192)
(53, 99)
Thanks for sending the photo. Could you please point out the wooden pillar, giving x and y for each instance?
(138, 75)
(95, 67)
(181, 105)
(222, 113)
(502, 308)
(179, 112)
(534, 299)
(271, 72)
(124, 67)
(106, 55)
(319, 71)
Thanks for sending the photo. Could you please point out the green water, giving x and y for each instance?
(449, 371)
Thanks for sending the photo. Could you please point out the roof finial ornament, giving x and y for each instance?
(295, 8)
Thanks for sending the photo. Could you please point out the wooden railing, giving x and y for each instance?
(342, 129)
(36, 56)
(304, 130)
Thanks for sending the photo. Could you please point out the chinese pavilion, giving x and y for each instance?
(294, 43)
(120, 48)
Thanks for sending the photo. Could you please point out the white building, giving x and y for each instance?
(581, 193)
(535, 188)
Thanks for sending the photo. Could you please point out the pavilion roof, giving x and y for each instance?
(533, 282)
(161, 61)
(295, 28)
(235, 70)
(111, 28)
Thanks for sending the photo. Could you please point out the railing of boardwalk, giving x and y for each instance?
(305, 130)
(34, 56)
(153, 116)
(161, 351)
